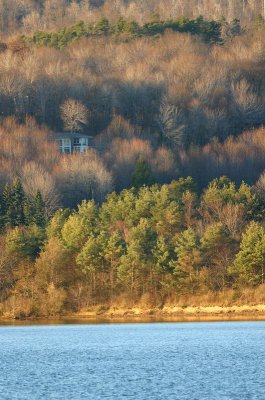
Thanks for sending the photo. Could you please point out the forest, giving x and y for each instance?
(176, 100)
(168, 201)
(148, 245)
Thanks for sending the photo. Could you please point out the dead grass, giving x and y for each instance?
(228, 298)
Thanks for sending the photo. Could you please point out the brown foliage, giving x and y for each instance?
(82, 176)
(30, 15)
(123, 154)
(241, 157)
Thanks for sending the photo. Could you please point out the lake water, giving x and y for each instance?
(191, 361)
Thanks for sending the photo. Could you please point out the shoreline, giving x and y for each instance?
(113, 315)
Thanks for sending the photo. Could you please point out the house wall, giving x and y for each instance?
(65, 145)
(68, 146)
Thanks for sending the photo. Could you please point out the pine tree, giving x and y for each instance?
(28, 211)
(217, 249)
(214, 240)
(235, 28)
(6, 204)
(39, 210)
(80, 225)
(142, 174)
(188, 260)
(113, 251)
(163, 256)
(25, 241)
(131, 266)
(102, 27)
(249, 265)
(17, 203)
(135, 270)
(90, 258)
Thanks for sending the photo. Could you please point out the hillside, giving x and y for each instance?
(165, 204)
(175, 93)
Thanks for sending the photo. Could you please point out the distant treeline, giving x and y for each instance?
(31, 15)
(155, 242)
(123, 29)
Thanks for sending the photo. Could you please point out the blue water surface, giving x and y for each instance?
(191, 361)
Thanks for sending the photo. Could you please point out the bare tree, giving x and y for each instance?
(233, 217)
(248, 104)
(83, 176)
(34, 178)
(260, 185)
(171, 124)
(74, 115)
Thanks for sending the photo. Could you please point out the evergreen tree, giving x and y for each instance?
(80, 225)
(25, 242)
(217, 249)
(213, 241)
(142, 174)
(188, 260)
(249, 265)
(102, 27)
(235, 28)
(54, 228)
(28, 211)
(119, 26)
(13, 203)
(90, 258)
(17, 203)
(113, 251)
(39, 210)
(163, 256)
(6, 204)
(135, 269)
(131, 266)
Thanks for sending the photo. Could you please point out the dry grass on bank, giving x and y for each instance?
(243, 302)
(239, 302)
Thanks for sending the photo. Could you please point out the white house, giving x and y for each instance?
(73, 142)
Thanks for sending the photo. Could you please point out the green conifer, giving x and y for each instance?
(6, 204)
(142, 174)
(249, 265)
(17, 203)
(39, 210)
(28, 211)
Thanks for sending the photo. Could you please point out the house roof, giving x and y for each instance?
(71, 135)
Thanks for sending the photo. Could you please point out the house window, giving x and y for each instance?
(76, 141)
(66, 150)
